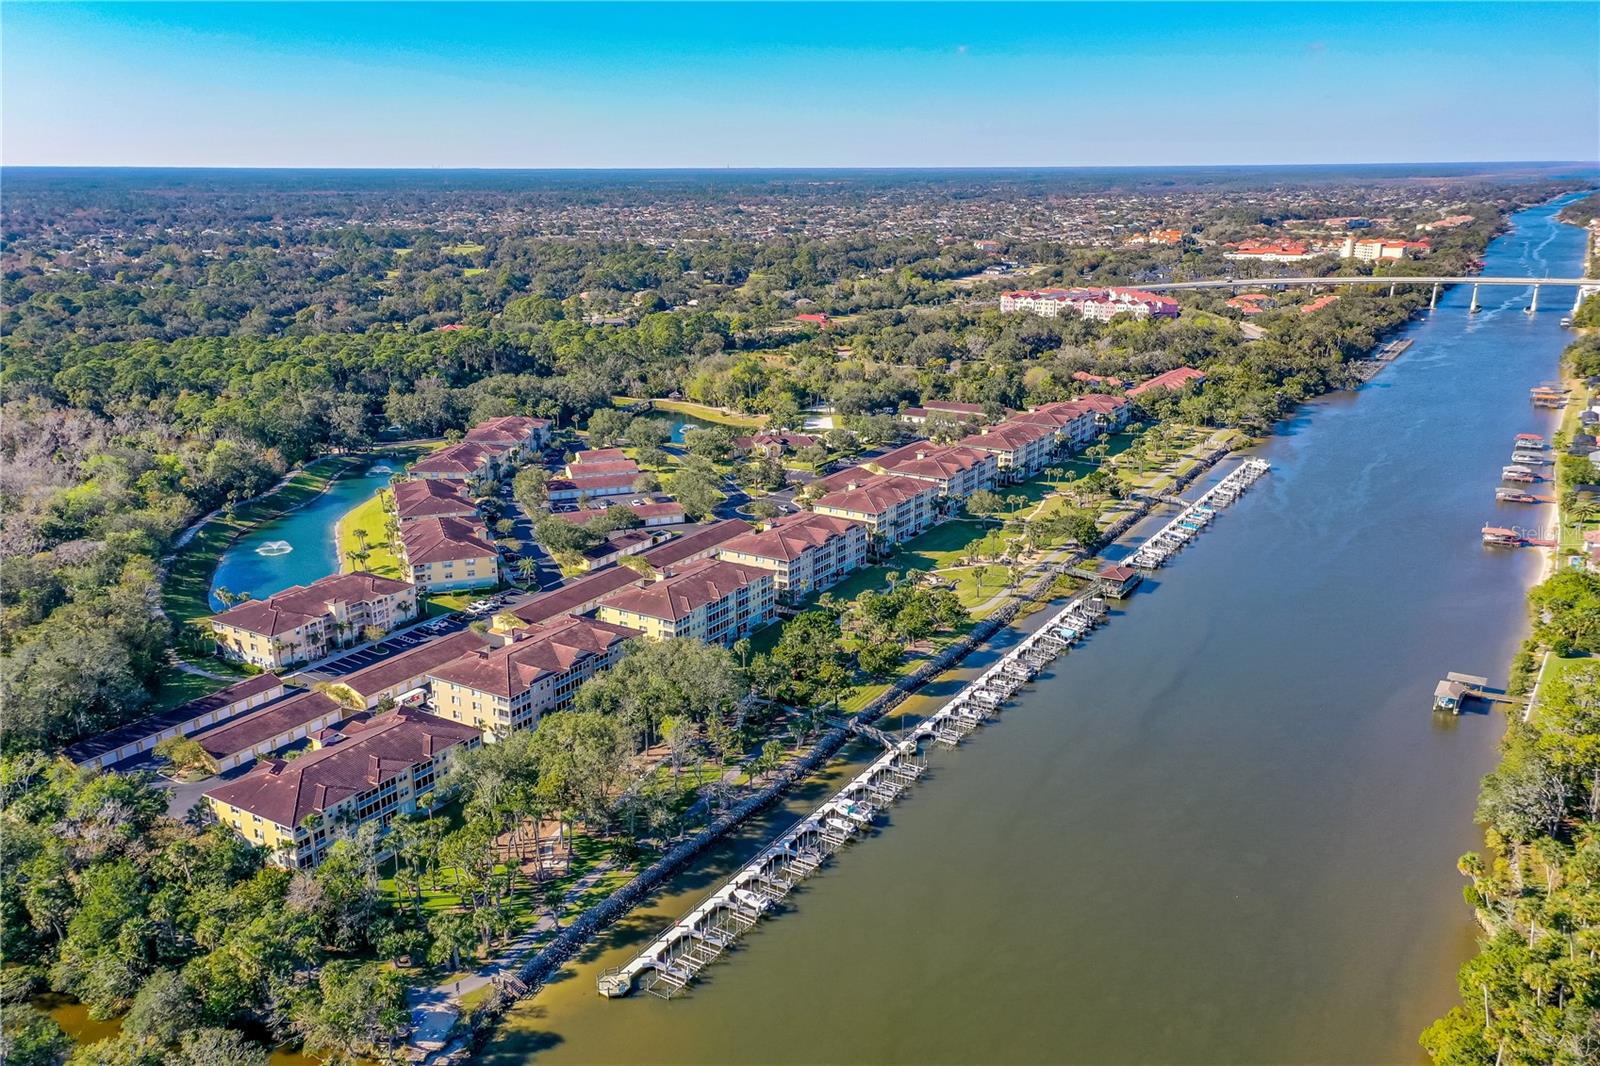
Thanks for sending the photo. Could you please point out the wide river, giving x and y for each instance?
(1226, 829)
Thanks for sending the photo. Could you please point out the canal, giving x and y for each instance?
(1226, 829)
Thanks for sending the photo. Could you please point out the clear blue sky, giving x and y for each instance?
(819, 85)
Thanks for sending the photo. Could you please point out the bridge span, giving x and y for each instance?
(1585, 287)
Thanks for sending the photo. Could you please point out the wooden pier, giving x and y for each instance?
(672, 960)
(667, 965)
(1172, 537)
(1451, 693)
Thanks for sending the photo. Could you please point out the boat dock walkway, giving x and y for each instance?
(697, 939)
(674, 958)
(1196, 516)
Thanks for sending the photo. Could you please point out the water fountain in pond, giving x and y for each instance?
(275, 547)
(381, 468)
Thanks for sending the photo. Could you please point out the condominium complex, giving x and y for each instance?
(806, 552)
(306, 622)
(497, 690)
(713, 601)
(439, 554)
(367, 770)
(894, 508)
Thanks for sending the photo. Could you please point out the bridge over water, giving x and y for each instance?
(1585, 287)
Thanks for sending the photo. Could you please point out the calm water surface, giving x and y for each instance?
(258, 563)
(1225, 830)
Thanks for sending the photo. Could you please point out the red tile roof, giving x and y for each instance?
(1008, 436)
(679, 594)
(464, 458)
(599, 455)
(1172, 380)
(424, 497)
(299, 604)
(791, 536)
(372, 752)
(433, 540)
(554, 648)
(875, 494)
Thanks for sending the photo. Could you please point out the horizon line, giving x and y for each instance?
(703, 168)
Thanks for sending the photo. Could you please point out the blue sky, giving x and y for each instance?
(666, 85)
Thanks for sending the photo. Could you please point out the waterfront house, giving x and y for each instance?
(305, 622)
(367, 770)
(1119, 581)
(439, 554)
(496, 690)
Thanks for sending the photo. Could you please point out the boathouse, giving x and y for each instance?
(1119, 581)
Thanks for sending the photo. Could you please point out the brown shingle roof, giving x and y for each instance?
(554, 648)
(185, 712)
(414, 663)
(373, 752)
(299, 604)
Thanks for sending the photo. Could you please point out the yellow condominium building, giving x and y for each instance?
(497, 690)
(957, 470)
(713, 601)
(448, 553)
(369, 770)
(894, 508)
(1021, 449)
(306, 622)
(806, 552)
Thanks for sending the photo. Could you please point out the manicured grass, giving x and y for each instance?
(382, 558)
(180, 686)
(466, 248)
(700, 411)
(185, 595)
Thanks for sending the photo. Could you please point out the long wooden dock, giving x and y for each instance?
(673, 959)
(668, 964)
(1194, 518)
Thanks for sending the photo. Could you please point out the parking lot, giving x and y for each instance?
(391, 645)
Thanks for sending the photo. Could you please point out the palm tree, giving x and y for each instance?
(361, 540)
(223, 596)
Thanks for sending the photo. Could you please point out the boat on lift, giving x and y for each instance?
(1517, 472)
(1515, 496)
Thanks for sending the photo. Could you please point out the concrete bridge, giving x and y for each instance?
(1585, 287)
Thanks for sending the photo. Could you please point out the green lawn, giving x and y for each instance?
(382, 558)
(180, 686)
(700, 411)
(465, 248)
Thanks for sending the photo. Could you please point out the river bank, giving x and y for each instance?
(1234, 800)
